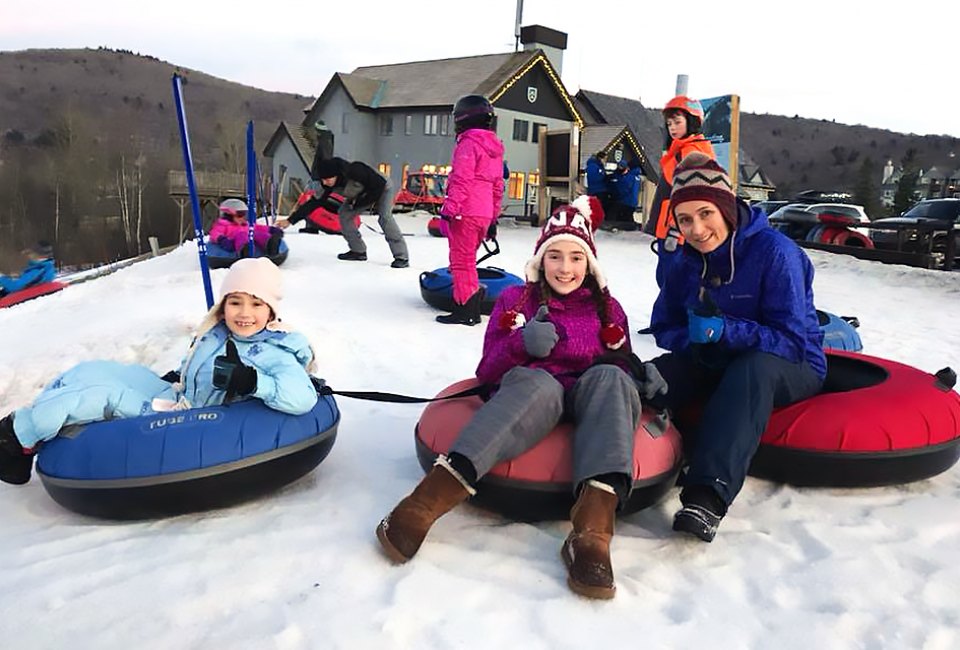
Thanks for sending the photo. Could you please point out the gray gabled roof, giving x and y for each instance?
(297, 134)
(609, 109)
(432, 83)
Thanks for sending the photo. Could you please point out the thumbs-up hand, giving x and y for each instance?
(705, 321)
(540, 335)
(230, 373)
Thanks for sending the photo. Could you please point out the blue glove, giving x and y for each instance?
(705, 322)
(540, 335)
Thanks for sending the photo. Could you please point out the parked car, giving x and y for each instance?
(825, 223)
(769, 207)
(943, 212)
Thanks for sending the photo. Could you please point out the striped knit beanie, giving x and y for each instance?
(699, 177)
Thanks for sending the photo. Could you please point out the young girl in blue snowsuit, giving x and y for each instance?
(241, 351)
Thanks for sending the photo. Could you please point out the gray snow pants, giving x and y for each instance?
(603, 403)
(391, 231)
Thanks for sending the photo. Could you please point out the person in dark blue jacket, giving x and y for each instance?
(626, 190)
(736, 313)
(598, 181)
(40, 268)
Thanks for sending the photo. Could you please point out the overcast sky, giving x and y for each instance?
(853, 62)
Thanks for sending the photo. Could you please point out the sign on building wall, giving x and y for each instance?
(721, 126)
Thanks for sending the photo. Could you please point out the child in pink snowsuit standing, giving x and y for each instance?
(229, 232)
(472, 204)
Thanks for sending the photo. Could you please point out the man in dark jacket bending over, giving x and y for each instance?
(362, 188)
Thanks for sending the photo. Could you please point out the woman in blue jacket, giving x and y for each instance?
(241, 351)
(736, 313)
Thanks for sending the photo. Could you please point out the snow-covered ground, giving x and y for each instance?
(790, 568)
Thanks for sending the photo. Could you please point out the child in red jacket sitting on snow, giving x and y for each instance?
(229, 232)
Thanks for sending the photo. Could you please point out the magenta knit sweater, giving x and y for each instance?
(578, 327)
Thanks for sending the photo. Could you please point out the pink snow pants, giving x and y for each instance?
(466, 235)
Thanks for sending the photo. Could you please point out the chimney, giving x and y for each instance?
(552, 42)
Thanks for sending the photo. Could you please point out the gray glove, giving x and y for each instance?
(652, 384)
(540, 335)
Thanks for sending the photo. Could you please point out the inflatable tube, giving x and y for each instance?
(37, 290)
(876, 422)
(221, 258)
(814, 233)
(839, 333)
(852, 238)
(436, 287)
(184, 461)
(827, 233)
(537, 484)
(436, 227)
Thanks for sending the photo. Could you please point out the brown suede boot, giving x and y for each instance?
(402, 531)
(586, 552)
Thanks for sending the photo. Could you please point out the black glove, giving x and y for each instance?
(231, 375)
(492, 231)
(172, 377)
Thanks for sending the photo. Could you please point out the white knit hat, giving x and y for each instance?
(256, 276)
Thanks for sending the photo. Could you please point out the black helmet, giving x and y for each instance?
(472, 112)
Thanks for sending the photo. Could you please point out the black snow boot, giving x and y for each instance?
(701, 512)
(273, 244)
(352, 256)
(467, 313)
(15, 463)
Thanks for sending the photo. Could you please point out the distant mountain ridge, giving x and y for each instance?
(123, 96)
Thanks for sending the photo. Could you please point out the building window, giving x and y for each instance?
(408, 125)
(345, 123)
(445, 124)
(521, 129)
(430, 124)
(386, 125)
(404, 171)
(384, 168)
(535, 135)
(515, 187)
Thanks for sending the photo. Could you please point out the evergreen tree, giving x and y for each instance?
(907, 185)
(865, 191)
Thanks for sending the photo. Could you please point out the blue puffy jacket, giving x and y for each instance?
(96, 390)
(764, 290)
(36, 272)
(597, 182)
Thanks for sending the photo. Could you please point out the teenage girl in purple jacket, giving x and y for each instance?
(472, 204)
(540, 347)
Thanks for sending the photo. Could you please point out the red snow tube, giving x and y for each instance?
(437, 227)
(851, 238)
(325, 217)
(876, 422)
(29, 293)
(538, 484)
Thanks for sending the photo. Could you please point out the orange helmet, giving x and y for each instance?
(684, 103)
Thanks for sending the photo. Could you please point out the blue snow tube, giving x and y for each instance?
(436, 287)
(221, 258)
(839, 332)
(184, 461)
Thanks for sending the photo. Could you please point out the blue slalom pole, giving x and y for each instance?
(251, 183)
(192, 185)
